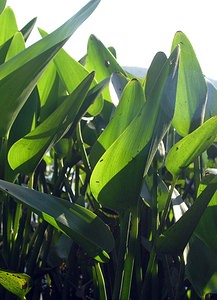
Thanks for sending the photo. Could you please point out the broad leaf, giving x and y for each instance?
(75, 221)
(191, 146)
(101, 60)
(117, 177)
(191, 88)
(132, 100)
(26, 68)
(26, 153)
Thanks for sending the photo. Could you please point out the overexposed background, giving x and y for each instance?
(137, 29)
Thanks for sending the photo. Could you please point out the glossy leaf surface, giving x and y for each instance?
(117, 177)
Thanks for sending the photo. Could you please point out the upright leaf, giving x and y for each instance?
(101, 60)
(132, 100)
(117, 177)
(191, 88)
(8, 24)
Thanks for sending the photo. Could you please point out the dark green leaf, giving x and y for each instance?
(75, 221)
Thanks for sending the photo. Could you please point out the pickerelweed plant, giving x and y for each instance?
(102, 200)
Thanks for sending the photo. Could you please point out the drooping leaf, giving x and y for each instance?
(26, 68)
(26, 153)
(117, 177)
(175, 239)
(75, 221)
(191, 88)
(191, 146)
(18, 284)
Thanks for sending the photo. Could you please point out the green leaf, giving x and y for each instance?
(75, 221)
(201, 267)
(191, 146)
(73, 75)
(17, 45)
(2, 5)
(132, 100)
(175, 239)
(18, 284)
(207, 223)
(101, 60)
(27, 29)
(191, 88)
(8, 24)
(117, 177)
(26, 153)
(26, 68)
(211, 106)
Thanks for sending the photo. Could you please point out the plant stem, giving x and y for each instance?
(167, 206)
(124, 232)
(129, 261)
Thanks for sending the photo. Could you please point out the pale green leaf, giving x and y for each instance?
(191, 88)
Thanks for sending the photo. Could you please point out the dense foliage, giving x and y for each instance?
(108, 181)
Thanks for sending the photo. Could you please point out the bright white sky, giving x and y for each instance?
(138, 29)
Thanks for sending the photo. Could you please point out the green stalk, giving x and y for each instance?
(124, 233)
(150, 273)
(167, 206)
(36, 248)
(99, 280)
(129, 261)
